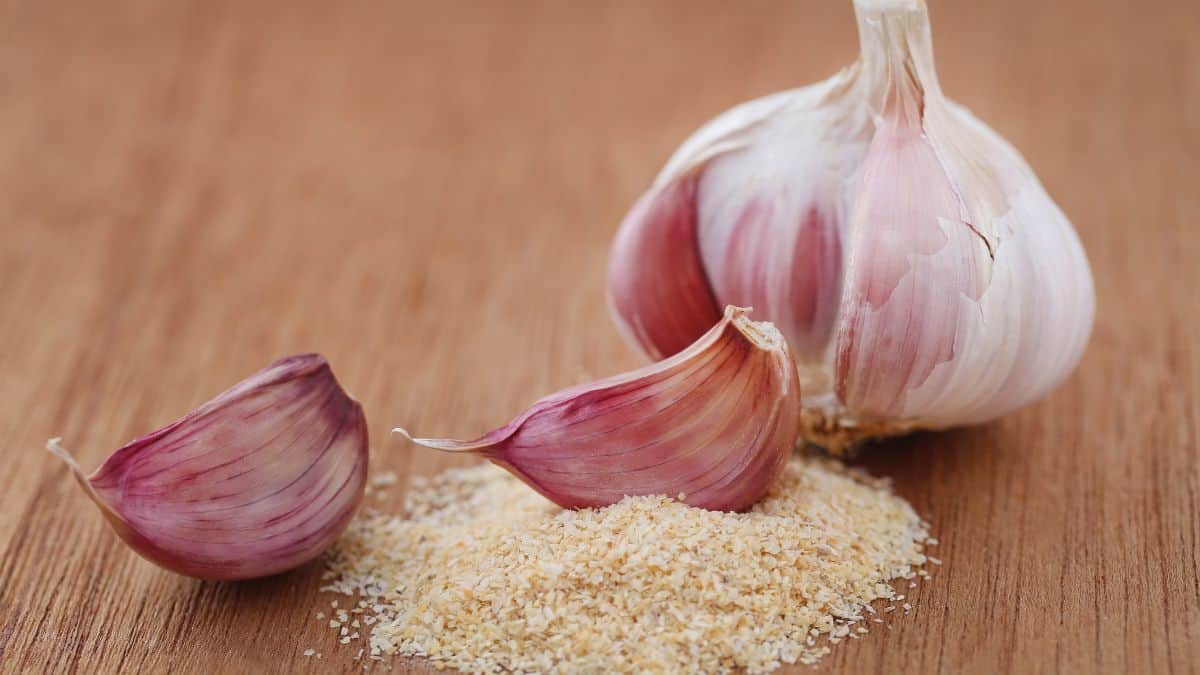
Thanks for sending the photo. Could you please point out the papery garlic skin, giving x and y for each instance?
(920, 272)
(714, 423)
(259, 480)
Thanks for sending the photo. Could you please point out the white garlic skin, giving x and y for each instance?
(918, 268)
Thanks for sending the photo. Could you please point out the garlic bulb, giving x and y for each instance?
(257, 481)
(713, 425)
(920, 272)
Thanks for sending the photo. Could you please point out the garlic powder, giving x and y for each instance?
(485, 574)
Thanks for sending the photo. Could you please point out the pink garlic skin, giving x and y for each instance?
(916, 266)
(902, 250)
(716, 422)
(660, 268)
(259, 480)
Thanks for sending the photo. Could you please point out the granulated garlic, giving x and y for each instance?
(486, 575)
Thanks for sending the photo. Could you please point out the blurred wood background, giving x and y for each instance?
(425, 192)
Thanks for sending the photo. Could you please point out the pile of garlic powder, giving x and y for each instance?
(485, 575)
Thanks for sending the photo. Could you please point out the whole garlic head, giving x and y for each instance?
(917, 267)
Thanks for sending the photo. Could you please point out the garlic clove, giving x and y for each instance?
(716, 422)
(259, 480)
(658, 293)
(910, 254)
(770, 213)
(781, 254)
(1001, 312)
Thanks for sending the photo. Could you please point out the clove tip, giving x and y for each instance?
(54, 445)
(446, 444)
(763, 334)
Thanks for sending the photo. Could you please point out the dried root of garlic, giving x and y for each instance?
(916, 266)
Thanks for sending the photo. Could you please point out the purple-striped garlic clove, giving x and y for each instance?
(657, 291)
(259, 480)
(716, 423)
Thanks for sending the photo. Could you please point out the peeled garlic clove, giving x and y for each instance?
(657, 289)
(919, 271)
(715, 422)
(259, 480)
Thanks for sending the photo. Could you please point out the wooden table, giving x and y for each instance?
(425, 192)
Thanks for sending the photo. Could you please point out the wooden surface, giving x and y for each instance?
(426, 192)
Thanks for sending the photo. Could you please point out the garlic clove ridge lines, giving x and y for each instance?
(257, 481)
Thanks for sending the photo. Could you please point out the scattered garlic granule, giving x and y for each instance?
(487, 575)
(386, 479)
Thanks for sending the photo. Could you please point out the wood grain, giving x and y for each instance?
(425, 192)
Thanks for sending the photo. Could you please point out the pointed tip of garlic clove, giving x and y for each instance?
(54, 445)
(716, 422)
(257, 481)
(445, 444)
